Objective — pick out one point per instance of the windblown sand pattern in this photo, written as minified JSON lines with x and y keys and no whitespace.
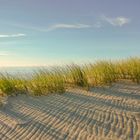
{"x":105,"y":113}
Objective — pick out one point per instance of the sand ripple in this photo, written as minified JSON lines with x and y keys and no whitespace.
{"x":106,"y":113}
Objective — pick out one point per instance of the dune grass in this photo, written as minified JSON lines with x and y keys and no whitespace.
{"x":12,"y":85}
{"x":129,"y":69}
{"x":76,"y":76}
{"x":44,"y":82}
{"x":101,"y":73}
{"x":57,"y":80}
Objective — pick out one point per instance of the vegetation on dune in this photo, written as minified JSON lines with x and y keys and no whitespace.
{"x":44,"y":82}
{"x":12,"y":85}
{"x":58,"y":80}
{"x":76,"y":76}
{"x":129,"y":69}
{"x":101,"y":73}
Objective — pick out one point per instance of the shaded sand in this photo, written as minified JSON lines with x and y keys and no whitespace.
{"x":105,"y":113}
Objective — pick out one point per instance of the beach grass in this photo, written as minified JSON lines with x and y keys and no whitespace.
{"x":129,"y":69}
{"x":44,"y":82}
{"x":12,"y":85}
{"x":101,"y":73}
{"x":76,"y":76}
{"x":57,"y":80}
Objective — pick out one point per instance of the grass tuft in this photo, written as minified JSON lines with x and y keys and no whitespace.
{"x":57,"y":80}
{"x":76,"y":76}
{"x":44,"y":82}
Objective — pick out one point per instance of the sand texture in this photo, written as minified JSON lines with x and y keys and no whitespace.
{"x":103,"y":113}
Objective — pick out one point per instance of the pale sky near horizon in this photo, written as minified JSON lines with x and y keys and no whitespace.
{"x":49,"y":32}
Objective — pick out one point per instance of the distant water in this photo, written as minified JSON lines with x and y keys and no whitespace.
{"x":20,"y":70}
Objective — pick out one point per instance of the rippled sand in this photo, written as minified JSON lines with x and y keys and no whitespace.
{"x":105,"y":113}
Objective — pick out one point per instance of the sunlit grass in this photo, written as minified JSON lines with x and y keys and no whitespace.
{"x":44,"y":82}
{"x":101,"y":73}
{"x":12,"y":85}
{"x":57,"y":80}
{"x":129,"y":69}
{"x":76,"y":76}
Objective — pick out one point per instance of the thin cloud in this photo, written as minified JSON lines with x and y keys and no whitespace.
{"x":11,"y":35}
{"x":59,"y":26}
{"x":68,"y":26}
{"x":118,"y":21}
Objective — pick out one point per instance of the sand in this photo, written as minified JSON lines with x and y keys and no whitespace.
{"x":103,"y":113}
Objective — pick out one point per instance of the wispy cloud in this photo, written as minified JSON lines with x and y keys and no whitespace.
{"x":67,"y":26}
{"x":12,"y":35}
{"x":117,"y":21}
{"x":52,"y":27}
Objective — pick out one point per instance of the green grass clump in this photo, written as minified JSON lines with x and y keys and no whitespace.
{"x":58,"y":80}
{"x":76,"y":76}
{"x":10,"y":85}
{"x":129,"y":69}
{"x":44,"y":82}
{"x":101,"y":73}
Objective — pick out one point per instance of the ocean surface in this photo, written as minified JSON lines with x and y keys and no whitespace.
{"x":20,"y":70}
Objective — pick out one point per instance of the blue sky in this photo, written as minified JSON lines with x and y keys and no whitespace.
{"x":50,"y":32}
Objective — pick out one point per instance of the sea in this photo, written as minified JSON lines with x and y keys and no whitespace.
{"x":20,"y":71}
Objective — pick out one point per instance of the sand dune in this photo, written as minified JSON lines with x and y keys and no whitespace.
{"x":103,"y":113}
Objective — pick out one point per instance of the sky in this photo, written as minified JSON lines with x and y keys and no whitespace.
{"x":55,"y":32}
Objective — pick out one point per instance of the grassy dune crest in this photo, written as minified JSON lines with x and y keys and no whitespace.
{"x":58,"y":80}
{"x":44,"y":82}
{"x":101,"y":73}
{"x":129,"y":69}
